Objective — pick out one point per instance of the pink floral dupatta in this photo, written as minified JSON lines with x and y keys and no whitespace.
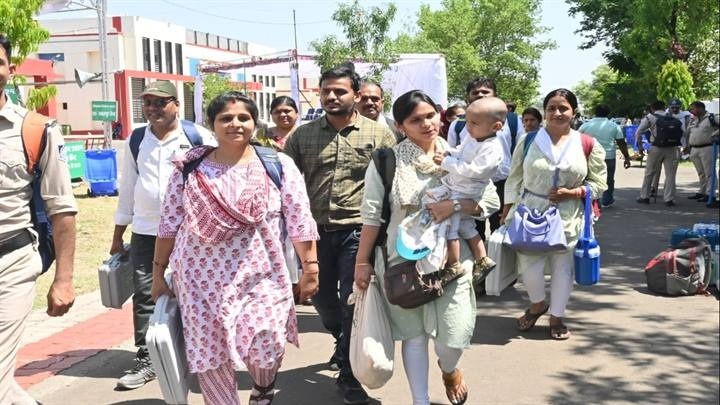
{"x":210,"y":211}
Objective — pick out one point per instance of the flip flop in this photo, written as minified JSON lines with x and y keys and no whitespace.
{"x":559,"y":331}
{"x":531,"y":319}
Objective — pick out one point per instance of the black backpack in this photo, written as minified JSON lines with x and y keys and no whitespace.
{"x":668,"y":131}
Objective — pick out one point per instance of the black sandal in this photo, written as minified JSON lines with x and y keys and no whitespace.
{"x":262,"y":395}
{"x":531,"y":319}
{"x":559,"y":331}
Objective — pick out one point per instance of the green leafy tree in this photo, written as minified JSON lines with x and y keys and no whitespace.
{"x":591,"y":94}
{"x":17,"y":22}
{"x":366,"y":33}
{"x":214,"y":84}
{"x":642,"y":35}
{"x":491,"y":38}
{"x":675,"y":81}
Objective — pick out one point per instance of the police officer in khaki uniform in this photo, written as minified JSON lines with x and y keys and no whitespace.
{"x":20,"y":263}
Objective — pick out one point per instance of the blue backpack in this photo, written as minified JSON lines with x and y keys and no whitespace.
{"x":34,"y":140}
{"x":268,"y":157}
{"x":138,"y":134}
{"x":512,"y":124}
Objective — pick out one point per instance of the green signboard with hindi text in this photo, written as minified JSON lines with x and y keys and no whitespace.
{"x":75,"y":152}
{"x":104,"y":110}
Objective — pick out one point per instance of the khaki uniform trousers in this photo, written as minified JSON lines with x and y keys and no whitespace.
{"x":667,"y":158}
{"x":702,"y":159}
{"x":18,"y":271}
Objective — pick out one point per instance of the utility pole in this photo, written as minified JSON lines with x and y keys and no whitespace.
{"x":101,"y":7}
{"x":295,"y":72}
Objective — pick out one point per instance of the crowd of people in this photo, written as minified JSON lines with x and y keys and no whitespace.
{"x":252,"y":220}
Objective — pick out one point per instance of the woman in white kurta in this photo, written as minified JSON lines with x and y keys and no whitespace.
{"x":450,"y":319}
{"x":557,"y":146}
{"x":220,"y":231}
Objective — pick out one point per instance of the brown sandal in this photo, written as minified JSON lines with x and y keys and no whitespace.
{"x":530,"y":319}
{"x":454,"y":384}
{"x":559,"y":331}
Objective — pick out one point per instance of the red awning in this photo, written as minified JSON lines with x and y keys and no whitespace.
{"x":37,"y":67}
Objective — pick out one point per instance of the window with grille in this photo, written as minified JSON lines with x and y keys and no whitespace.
{"x":189,"y":97}
{"x":169,"y":57}
{"x":158,"y":55}
{"x":146,"y":54}
{"x":179,"y":59}
{"x":136,"y":88}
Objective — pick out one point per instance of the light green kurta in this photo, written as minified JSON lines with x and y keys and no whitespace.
{"x":535,"y":173}
{"x":449,"y":319}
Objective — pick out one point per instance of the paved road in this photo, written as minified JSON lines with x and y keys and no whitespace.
{"x":628,"y":346}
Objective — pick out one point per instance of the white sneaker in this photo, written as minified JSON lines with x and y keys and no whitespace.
{"x":141,"y":374}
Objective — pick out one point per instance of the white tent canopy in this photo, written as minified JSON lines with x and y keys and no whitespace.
{"x":412,"y":71}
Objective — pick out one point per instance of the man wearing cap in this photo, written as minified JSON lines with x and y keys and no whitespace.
{"x":146,"y":169}
{"x":20,"y":262}
{"x":674,"y":109}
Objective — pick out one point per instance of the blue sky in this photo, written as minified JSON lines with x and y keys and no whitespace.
{"x":269,"y":22}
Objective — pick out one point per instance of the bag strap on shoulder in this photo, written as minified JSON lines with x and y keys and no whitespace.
{"x":271,"y":163}
{"x":384,"y":161}
{"x":34,"y":138}
{"x":459,"y":126}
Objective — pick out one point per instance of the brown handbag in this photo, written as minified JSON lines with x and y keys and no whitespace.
{"x":407,"y":288}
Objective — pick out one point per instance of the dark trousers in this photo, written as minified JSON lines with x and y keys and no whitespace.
{"x":142,"y":250}
{"x":494,"y":218}
{"x":608,"y":197}
{"x":336,"y":254}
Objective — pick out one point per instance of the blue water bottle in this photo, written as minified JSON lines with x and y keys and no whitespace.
{"x":587,"y":250}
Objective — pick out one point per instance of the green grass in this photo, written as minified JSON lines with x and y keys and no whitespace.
{"x":95,"y":227}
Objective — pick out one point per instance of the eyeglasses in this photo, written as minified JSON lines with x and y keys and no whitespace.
{"x":158,"y":102}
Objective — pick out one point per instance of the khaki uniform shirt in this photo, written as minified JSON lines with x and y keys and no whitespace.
{"x":15,"y":188}
{"x":700,"y":131}
{"x":334,"y":164}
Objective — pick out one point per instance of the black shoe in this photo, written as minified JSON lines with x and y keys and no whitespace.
{"x":696,"y":196}
{"x":653,"y":192}
{"x":670,"y":203}
{"x":702,"y":200}
{"x":353,"y":392}
{"x":640,"y":200}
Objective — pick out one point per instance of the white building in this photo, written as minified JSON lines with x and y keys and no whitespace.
{"x":141,"y":50}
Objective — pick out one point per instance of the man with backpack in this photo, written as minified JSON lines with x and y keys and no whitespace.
{"x":146,"y":169}
{"x":666,"y":134}
{"x":701,"y":132}
{"x":508,"y":137}
{"x":32,"y":157}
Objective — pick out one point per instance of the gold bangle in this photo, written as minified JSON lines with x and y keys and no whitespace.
{"x":311,"y":262}
{"x":362,"y":264}
{"x":310,"y":272}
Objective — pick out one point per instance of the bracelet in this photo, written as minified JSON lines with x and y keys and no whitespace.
{"x":362,"y":264}
{"x":162,"y":266}
{"x":311,"y":262}
{"x":310,"y":273}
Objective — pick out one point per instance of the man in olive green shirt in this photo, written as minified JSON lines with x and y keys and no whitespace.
{"x":333,"y":153}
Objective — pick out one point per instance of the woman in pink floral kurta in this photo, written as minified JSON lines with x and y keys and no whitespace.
{"x":225,"y":222}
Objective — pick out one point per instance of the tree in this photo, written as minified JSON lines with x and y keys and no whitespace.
{"x":490,"y":38}
{"x":591,"y":94}
{"x":642,"y":35}
{"x":17,"y":22}
{"x":367,"y":40}
{"x":675,"y":81}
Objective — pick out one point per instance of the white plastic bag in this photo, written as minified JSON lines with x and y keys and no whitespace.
{"x":372,"y":349}
{"x":506,"y":270}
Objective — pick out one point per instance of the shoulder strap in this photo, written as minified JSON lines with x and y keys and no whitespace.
{"x":135,"y":140}
{"x":529,"y":139}
{"x":191,"y":133}
{"x":191,"y":165}
{"x":588,"y":142}
{"x":34,"y":138}
{"x":512,"y":121}
{"x":711,"y":118}
{"x":459,"y":125}
{"x":384,"y":161}
{"x":271,"y":163}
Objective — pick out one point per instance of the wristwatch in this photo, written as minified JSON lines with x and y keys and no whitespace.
{"x":456,"y":206}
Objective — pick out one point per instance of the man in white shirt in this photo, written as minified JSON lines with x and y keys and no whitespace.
{"x":145,"y":173}
{"x":508,"y":137}
{"x":372,"y":105}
